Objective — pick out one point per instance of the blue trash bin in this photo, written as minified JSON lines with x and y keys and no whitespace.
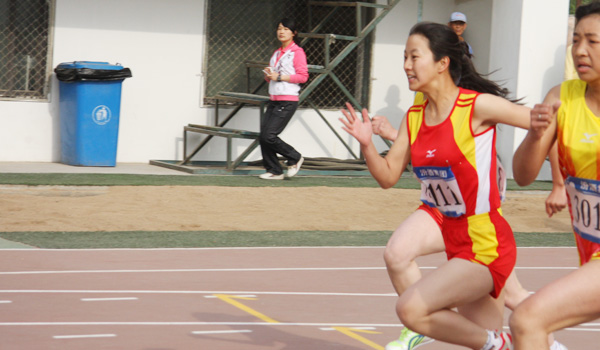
{"x":89,"y":108}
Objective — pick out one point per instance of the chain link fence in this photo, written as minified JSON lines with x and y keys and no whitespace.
{"x":240,"y":31}
{"x":24,"y":48}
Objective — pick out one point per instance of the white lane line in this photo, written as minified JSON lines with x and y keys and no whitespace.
{"x":582,"y":329}
{"x":265,"y":269}
{"x":223,"y":332}
{"x":84,"y":336}
{"x":108,"y":299}
{"x":319,"y":325}
{"x":353,"y":325}
{"x":261,"y":269}
{"x":211,"y":248}
{"x":233,"y":295}
{"x":358,"y":328}
{"x":228,"y":292}
{"x":5,"y":301}
{"x":546,"y":267}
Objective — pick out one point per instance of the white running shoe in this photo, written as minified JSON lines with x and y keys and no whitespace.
{"x":408,"y":340}
{"x":505,"y":341}
{"x":294,"y":169}
{"x":269,"y":176}
{"x":558,"y":346}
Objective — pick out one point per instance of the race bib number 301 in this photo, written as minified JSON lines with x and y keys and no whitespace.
{"x":440,"y":190}
{"x":584,"y":195}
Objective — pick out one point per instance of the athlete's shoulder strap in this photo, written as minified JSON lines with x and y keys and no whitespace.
{"x":466,"y":98}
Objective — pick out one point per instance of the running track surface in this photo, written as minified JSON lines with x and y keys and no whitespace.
{"x":229,"y":298}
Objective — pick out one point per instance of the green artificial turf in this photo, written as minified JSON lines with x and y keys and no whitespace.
{"x":198,"y":239}
{"x":46,"y":179}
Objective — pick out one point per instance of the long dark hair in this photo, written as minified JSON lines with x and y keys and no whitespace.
{"x":290,"y":24}
{"x":444,"y":42}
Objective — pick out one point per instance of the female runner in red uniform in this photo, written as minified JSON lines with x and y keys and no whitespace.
{"x":420,"y":234}
{"x":450,"y":140}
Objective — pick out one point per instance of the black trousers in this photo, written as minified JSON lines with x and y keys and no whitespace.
{"x":276,"y":118}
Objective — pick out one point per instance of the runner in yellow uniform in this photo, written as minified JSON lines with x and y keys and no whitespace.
{"x":568,"y":115}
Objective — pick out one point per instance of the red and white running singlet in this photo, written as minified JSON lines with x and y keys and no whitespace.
{"x":457,"y":170}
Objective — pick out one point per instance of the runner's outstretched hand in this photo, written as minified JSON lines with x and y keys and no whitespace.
{"x":361,"y":129}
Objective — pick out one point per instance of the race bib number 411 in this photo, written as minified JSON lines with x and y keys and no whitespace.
{"x":440,"y":190}
{"x":584,"y":195}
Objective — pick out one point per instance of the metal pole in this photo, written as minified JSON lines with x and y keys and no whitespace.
{"x":27,"y":71}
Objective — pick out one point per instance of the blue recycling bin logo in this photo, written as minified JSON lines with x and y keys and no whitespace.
{"x":101,"y":115}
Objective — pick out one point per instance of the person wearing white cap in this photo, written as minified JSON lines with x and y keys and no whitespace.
{"x":458,"y":23}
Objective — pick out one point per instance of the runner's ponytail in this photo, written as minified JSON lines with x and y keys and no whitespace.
{"x":443,"y":42}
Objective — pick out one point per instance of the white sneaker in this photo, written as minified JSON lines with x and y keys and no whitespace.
{"x":269,"y":176}
{"x":558,"y":346}
{"x":504,"y":341}
{"x":294,"y":169}
{"x":408,"y":340}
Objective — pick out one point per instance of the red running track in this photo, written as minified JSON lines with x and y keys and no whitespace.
{"x":223,"y":298}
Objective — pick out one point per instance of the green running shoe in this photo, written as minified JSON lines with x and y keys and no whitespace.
{"x":408,"y":340}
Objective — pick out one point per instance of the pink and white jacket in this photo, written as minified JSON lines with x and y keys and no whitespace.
{"x":289,"y":61}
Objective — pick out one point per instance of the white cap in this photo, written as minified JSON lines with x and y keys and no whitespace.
{"x":458,"y":16}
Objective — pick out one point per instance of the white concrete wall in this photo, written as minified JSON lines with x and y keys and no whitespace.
{"x":504,"y":63}
{"x":27,"y":132}
{"x":163,"y":43}
{"x":477,"y":34}
{"x":528,"y":54}
{"x":390,"y":95}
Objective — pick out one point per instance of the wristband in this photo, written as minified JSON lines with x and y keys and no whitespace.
{"x":278,"y":77}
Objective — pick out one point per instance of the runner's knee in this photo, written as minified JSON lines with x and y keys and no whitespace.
{"x":410,"y":310}
{"x":396,"y":258}
{"x":524,"y":318}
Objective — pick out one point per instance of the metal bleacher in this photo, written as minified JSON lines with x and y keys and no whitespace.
{"x":320,"y":73}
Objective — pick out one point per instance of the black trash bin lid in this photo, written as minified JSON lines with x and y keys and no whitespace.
{"x":89,"y":70}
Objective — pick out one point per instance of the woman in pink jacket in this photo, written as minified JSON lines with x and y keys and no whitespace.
{"x":287,"y":70}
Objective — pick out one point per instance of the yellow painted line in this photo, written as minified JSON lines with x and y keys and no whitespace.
{"x":351,"y":332}
{"x":230,"y":300}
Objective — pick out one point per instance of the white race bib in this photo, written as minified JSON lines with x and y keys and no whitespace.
{"x":440,"y":190}
{"x":584,"y":195}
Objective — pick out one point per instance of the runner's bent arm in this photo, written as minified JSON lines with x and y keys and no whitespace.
{"x":530,"y":155}
{"x":491,"y":110}
{"x":557,"y":199}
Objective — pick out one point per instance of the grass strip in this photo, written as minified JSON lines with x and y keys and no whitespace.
{"x":201,"y":239}
{"x":32,"y":179}
{"x":51,"y":179}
